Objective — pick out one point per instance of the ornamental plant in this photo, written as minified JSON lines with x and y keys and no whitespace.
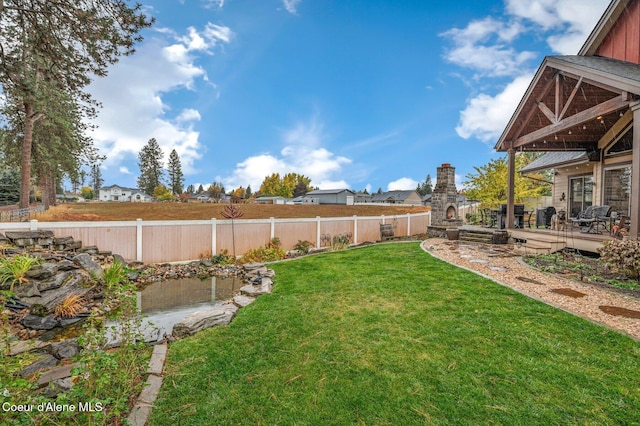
{"x":622,"y":256}
{"x":14,"y":269}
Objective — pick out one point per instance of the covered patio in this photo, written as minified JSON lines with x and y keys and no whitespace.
{"x":586,"y":105}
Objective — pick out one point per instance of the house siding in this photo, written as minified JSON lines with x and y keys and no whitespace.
{"x":623,"y":41}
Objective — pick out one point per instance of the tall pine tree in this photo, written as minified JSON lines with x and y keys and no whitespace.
{"x":174,"y":169}
{"x":151,"y":166}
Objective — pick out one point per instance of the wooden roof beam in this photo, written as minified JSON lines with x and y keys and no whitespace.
{"x":582,"y":117}
{"x":570,"y":99}
{"x":532,"y":110}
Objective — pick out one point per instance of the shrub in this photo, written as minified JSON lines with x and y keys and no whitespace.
{"x":269,"y":253}
{"x":114,"y":274}
{"x":303,"y":246}
{"x":341,"y":242}
{"x":14,"y":269}
{"x":224,"y":258}
{"x":622,"y":256}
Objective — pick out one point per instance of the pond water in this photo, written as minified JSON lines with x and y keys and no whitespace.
{"x":164,"y":303}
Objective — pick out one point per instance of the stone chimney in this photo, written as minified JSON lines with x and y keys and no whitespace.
{"x":444,"y":199}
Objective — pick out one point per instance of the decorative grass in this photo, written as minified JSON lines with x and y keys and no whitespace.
{"x":388,"y":335}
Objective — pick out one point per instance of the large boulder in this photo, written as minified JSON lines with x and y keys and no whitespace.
{"x":36,"y":322}
{"x":85,"y":261}
{"x":75,"y":283}
{"x":44,"y":271}
{"x":219,"y":315}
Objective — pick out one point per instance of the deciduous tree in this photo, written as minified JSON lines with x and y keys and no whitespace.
{"x":489,"y":184}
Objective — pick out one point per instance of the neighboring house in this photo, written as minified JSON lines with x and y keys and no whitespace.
{"x":69,"y":198}
{"x":200,"y":198}
{"x":123,"y":194}
{"x":363,"y":197}
{"x":330,"y":196}
{"x":409,"y":197}
{"x":582,"y":111}
{"x":426,"y":200}
{"x":270,"y":200}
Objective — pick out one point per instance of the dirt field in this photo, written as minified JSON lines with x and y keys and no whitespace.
{"x":98,"y":211}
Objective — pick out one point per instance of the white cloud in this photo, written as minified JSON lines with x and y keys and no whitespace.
{"x":402,"y":184}
{"x":302,"y":154}
{"x":574,"y":20}
{"x":486,"y":116}
{"x":291,"y":5}
{"x":486,"y":47}
{"x":125,"y":171}
{"x":188,"y":114}
{"x":132,"y":96}
{"x":483,"y":47}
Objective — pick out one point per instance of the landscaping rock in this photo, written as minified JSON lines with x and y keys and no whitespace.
{"x":54,"y":282}
{"x":35,"y":322}
{"x":65,"y":349}
{"x":28,"y":289}
{"x":74,"y":284}
{"x":119,"y":259}
{"x":47,"y":361}
{"x":85,"y":261}
{"x":241,"y":301}
{"x":67,"y":265}
{"x":256,"y":290}
{"x":200,"y":320}
{"x":57,"y":387}
{"x":44,"y":271}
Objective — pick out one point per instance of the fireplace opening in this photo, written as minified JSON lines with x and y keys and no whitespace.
{"x":451,"y":213}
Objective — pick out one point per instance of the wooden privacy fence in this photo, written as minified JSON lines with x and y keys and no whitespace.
{"x":173,"y":241}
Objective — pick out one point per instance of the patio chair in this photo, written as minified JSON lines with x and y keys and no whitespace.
{"x":582,"y":216}
{"x":599,"y":216}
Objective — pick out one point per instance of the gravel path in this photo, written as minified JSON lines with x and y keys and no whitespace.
{"x":500,"y":264}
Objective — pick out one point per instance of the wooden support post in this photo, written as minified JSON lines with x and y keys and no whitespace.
{"x":635,"y":173}
{"x":511,"y":184}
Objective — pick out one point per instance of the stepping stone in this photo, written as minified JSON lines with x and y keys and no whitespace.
{"x":498,"y":268}
{"x":568,"y":292}
{"x":530,"y":280}
{"x":621,"y":312}
{"x":479,"y":261}
{"x":466,"y":256}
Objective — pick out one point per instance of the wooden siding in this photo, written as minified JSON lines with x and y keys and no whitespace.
{"x":623,"y":41}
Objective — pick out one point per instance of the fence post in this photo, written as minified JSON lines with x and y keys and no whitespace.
{"x":214,"y":236}
{"x":33,"y":224}
{"x":139,"y":240}
{"x":272,"y":220}
{"x":383,"y":219}
{"x":318,"y":232}
{"x":355,"y":229}
{"x":408,"y":224}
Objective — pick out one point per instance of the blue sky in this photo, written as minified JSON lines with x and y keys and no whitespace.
{"x":351,"y":93}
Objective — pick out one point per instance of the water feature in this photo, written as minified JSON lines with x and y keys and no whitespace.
{"x":164,"y":303}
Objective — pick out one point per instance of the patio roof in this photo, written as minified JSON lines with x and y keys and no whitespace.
{"x":571,"y":103}
{"x":552,"y":160}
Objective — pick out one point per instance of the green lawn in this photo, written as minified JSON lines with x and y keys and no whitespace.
{"x":388,"y":335}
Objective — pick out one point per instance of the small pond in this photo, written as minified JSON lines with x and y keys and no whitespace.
{"x":164,"y":303}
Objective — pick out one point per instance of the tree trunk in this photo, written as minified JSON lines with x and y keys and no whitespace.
{"x":44,"y":188}
{"x":25,"y":164}
{"x":52,"y":198}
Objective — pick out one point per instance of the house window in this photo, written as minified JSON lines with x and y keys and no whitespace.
{"x":580,"y":193}
{"x":617,"y":189}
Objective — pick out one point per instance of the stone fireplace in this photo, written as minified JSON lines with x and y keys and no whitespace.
{"x":444,"y":202}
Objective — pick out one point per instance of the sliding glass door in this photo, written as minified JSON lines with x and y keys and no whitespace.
{"x":580,"y":193}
